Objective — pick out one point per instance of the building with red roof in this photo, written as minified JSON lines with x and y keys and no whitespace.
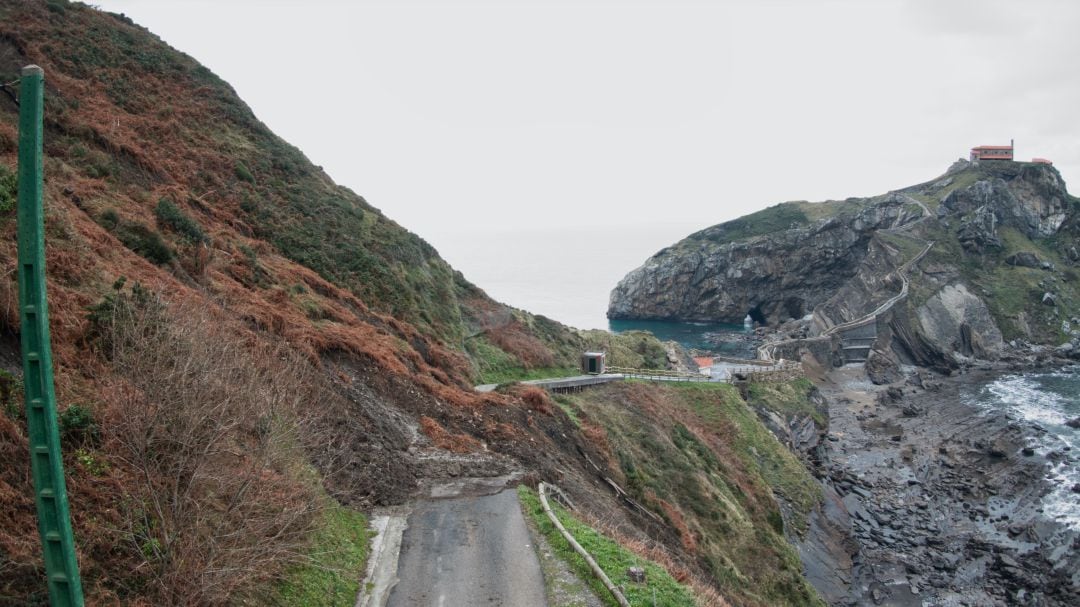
{"x":992,"y":152}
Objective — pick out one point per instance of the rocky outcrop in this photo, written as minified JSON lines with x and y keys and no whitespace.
{"x":1024,"y":259}
{"x":955,"y":321}
{"x":874,"y":282}
{"x":853,"y":260}
{"x":882,"y":364}
{"x":772,"y":277}
{"x":978,"y":230}
{"x":1027,"y":197}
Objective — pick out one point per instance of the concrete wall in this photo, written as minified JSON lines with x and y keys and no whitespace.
{"x":825,"y":350}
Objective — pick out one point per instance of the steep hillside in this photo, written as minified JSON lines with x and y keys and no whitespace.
{"x":167,"y":160}
{"x":698,"y":455}
{"x":133,"y":122}
{"x":246,"y":353}
{"x":1002,"y":264}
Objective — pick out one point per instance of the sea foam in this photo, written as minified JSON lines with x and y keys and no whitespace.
{"x":1048,"y":399}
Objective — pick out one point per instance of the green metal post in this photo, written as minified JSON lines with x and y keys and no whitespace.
{"x":46,"y":464}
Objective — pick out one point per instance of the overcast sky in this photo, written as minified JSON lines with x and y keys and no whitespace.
{"x":486,"y":114}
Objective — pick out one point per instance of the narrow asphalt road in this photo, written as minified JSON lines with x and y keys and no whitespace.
{"x":468,"y":551}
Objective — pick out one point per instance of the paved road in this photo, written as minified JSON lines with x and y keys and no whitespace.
{"x":468,"y":551}
{"x":575,"y":381}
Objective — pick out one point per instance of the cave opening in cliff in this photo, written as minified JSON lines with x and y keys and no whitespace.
{"x":794,"y":307}
{"x":757,"y":316}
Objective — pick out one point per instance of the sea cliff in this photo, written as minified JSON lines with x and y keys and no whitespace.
{"x":1000,"y":268}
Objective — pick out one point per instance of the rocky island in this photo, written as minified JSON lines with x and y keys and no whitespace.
{"x":901,"y":306}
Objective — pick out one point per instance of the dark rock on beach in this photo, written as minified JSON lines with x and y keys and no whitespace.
{"x":939,"y":509}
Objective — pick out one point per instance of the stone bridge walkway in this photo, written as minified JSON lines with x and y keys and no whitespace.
{"x":857,"y":336}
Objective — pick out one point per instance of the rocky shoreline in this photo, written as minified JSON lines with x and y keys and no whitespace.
{"x":739,"y":345}
{"x":929,"y":501}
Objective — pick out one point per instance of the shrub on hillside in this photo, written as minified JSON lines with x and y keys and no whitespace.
{"x":119,"y":306}
{"x":109,"y":219}
{"x":78,"y":426}
{"x":137,"y":237}
{"x":170,"y":216}
{"x":11,"y":394}
{"x":8,"y":192}
{"x":243,"y":173}
{"x":209,"y":428}
{"x":98,"y":164}
{"x":144,"y":241}
{"x":57,"y":6}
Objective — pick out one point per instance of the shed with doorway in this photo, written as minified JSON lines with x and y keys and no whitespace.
{"x":593,"y":362}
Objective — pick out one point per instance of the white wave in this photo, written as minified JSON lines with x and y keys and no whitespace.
{"x":1050,"y":406}
{"x":1061,"y":503}
{"x":1066,"y":371}
{"x":1028,"y":400}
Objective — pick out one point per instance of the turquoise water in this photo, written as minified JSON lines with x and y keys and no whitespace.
{"x":1048,"y":399}
{"x":568,"y":274}
{"x":689,"y":334}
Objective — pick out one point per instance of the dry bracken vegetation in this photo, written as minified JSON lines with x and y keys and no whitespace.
{"x":283,"y":334}
{"x":210,"y":428}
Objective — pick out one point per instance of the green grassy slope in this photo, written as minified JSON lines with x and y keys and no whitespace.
{"x":661,"y":589}
{"x":699,"y":455}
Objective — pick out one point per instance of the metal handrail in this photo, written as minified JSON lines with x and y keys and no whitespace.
{"x":765,"y":350}
{"x":866,"y":319}
{"x":656,"y":373}
{"x":612,"y":588}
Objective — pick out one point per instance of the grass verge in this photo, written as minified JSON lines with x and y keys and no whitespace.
{"x":515,"y":374}
{"x":660,"y":589}
{"x":334,"y":565}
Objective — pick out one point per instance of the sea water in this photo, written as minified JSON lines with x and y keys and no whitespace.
{"x":1049,"y":399}
{"x":567,"y":274}
{"x":692,"y":335}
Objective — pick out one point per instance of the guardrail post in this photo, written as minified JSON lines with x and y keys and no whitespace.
{"x":604,"y":579}
{"x":46,"y":464}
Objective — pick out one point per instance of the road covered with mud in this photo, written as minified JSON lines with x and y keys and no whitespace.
{"x":471,"y":550}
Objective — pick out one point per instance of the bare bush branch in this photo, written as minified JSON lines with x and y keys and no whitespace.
{"x":214,"y":423}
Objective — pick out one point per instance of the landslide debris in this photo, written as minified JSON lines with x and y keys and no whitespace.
{"x":318,"y":350}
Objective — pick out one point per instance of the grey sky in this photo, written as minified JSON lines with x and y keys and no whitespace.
{"x":490,"y":114}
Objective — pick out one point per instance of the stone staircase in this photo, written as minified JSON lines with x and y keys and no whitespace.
{"x":856,"y":342}
{"x":858,"y":336}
